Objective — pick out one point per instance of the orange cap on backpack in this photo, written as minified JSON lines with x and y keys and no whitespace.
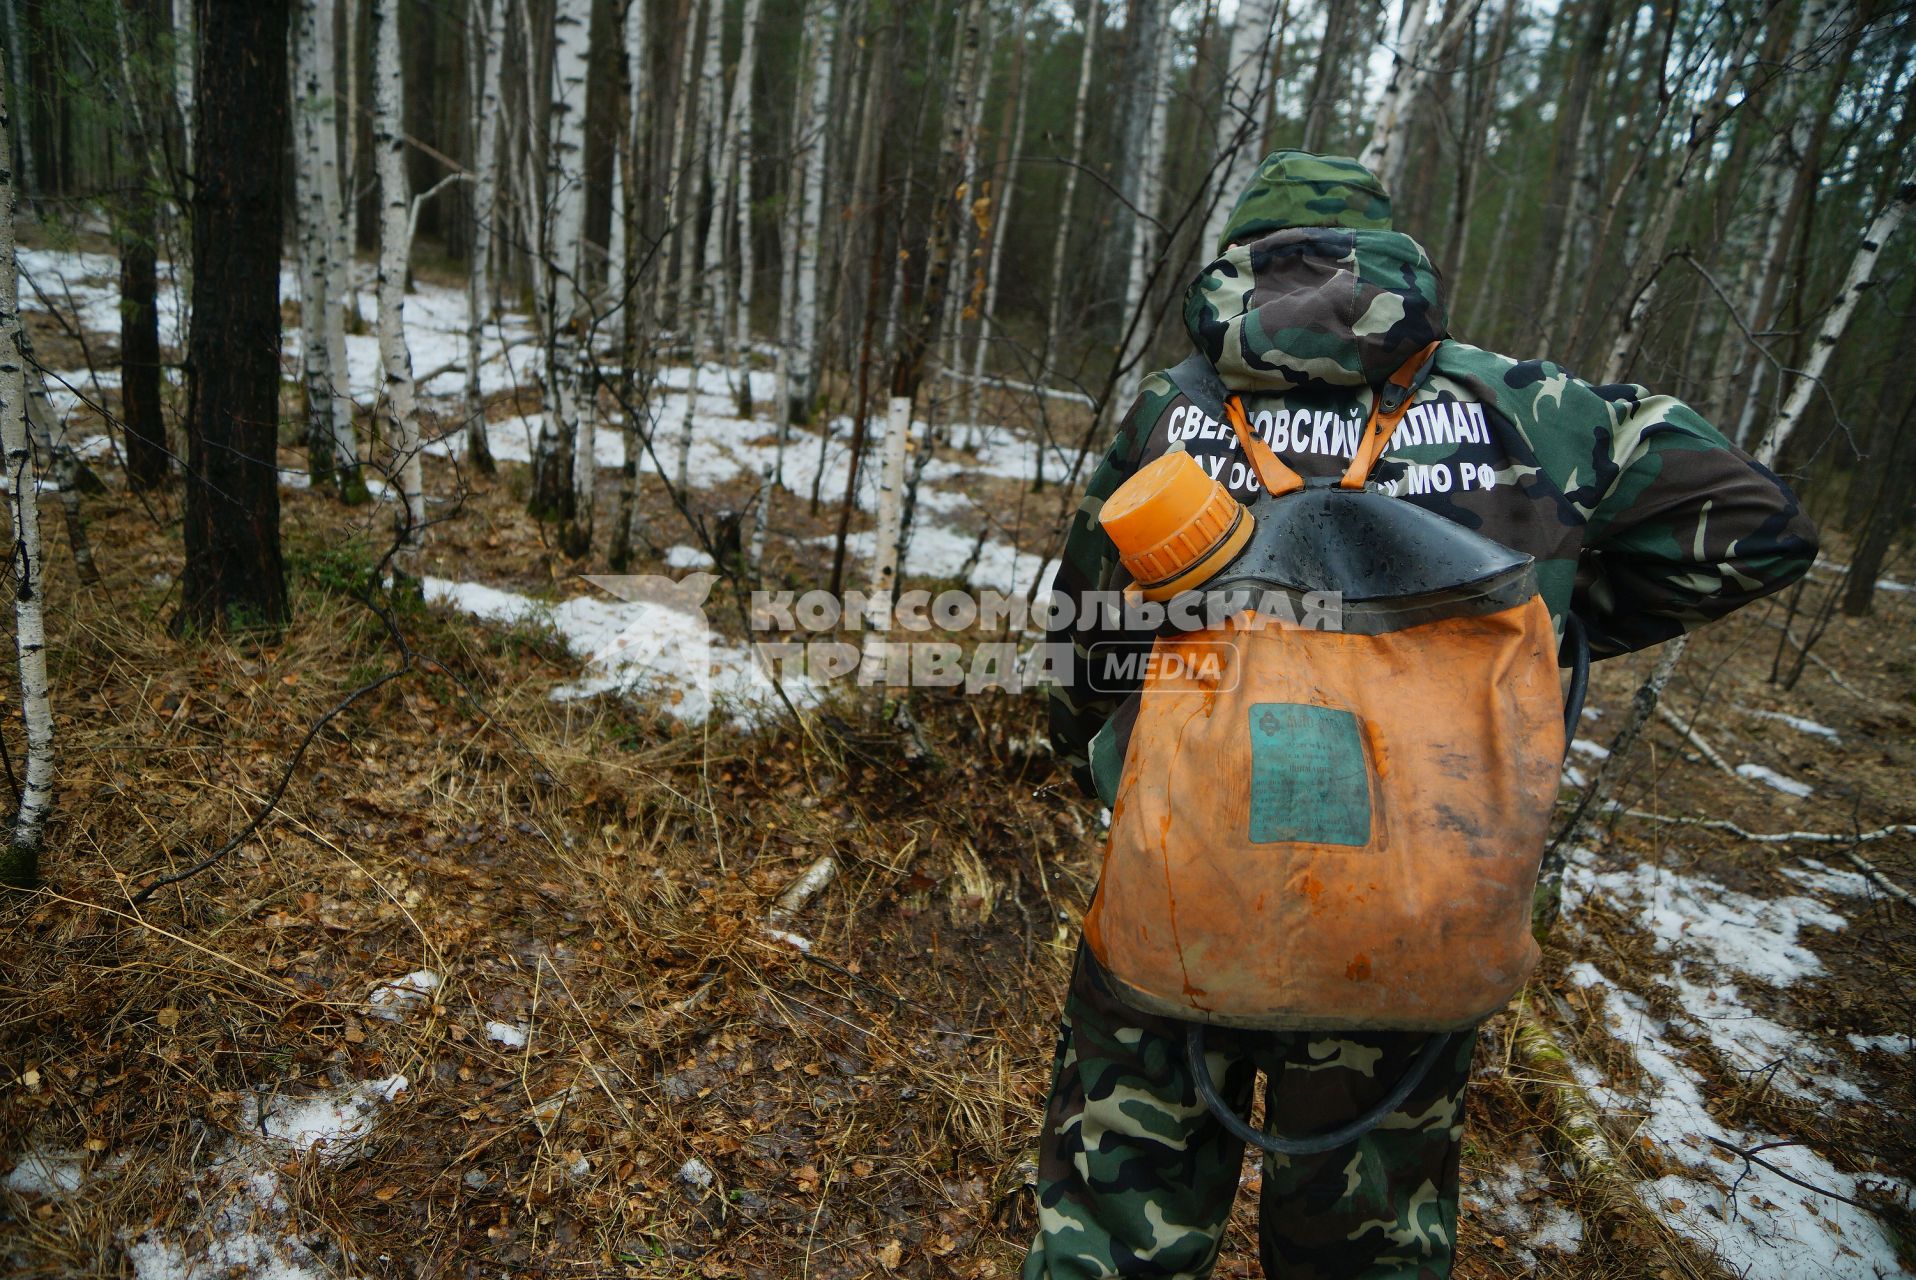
{"x":1174,"y":526}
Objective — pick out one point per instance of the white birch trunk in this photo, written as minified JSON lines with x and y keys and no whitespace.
{"x":1246,"y":95}
{"x":635,"y":294}
{"x":703,"y":105}
{"x":820,"y":40}
{"x":20,"y":864}
{"x":1060,"y":240}
{"x":1411,"y":61}
{"x":183,"y":63}
{"x":740,"y":126}
{"x":679,"y":164}
{"x":696,"y":267}
{"x":569,"y":416}
{"x":1862,"y":268}
{"x":1144,"y":228}
{"x":736,"y":128}
{"x":334,"y":196}
{"x":963,"y":280}
{"x":884,"y":579}
{"x":488,"y":24}
{"x":395,"y":250}
{"x":1704,"y":122}
{"x":329,"y":405}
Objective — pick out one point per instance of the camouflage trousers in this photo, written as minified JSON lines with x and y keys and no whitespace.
{"x":1136,"y":1177}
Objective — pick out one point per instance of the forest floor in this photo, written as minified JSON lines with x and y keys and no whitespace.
{"x":499,"y":988}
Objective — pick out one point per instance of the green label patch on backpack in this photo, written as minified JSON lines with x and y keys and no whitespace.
{"x":1308,"y":780}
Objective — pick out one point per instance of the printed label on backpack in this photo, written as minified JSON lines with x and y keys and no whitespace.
{"x":1309,"y":783}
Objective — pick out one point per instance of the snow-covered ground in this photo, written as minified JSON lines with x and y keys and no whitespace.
{"x":1719,"y":946}
{"x":639,"y":646}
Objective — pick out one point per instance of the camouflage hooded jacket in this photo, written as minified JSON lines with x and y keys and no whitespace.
{"x":1640,"y":516}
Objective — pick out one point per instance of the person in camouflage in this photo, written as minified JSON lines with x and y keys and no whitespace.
{"x":1641,"y":518}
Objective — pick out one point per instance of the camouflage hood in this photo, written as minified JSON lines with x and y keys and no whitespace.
{"x":1314,"y":307}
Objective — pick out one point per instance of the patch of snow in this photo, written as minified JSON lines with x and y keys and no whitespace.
{"x":1770,"y":777}
{"x":696,"y":1173}
{"x":1504,"y":1202}
{"x":1573,"y":777}
{"x":642,"y":646}
{"x":1731,"y":930}
{"x":245,"y":1228}
{"x":328,"y":1122}
{"x":684,"y":557}
{"x":1827,"y":879}
{"x":1593,"y":713}
{"x":1758,"y":1225}
{"x":1797,"y":723}
{"x":1895,"y":1042}
{"x":394,"y":1000}
{"x":47,"y":1173}
{"x":1594,"y":750}
{"x":506,"y":1034}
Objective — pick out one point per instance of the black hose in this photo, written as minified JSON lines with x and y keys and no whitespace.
{"x":1575,"y":647}
{"x":1316,"y":1144}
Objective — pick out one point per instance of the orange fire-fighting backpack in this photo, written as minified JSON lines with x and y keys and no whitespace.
{"x":1322,"y":828}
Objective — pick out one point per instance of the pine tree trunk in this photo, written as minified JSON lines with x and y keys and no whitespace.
{"x":395,"y":253}
{"x":23,"y":134}
{"x":488,"y":27}
{"x":1576,"y":147}
{"x":233,"y":572}
{"x":148,"y":460}
{"x":998,"y":223}
{"x":1326,"y":79}
{"x":20,"y":863}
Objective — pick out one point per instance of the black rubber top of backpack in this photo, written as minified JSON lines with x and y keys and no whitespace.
{"x":1361,"y":542}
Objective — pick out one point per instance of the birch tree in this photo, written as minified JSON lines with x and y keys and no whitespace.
{"x":741,"y":133}
{"x":1244,"y":99}
{"x":330,"y":447}
{"x":184,"y":75}
{"x":488,"y":24}
{"x":1155,"y":42}
{"x":395,"y":250}
{"x":636,"y":295}
{"x":820,"y":39}
{"x":1411,"y":62}
{"x":1644,"y":704}
{"x":20,"y":864}
{"x":565,"y":466}
{"x":884,"y":578}
{"x":1862,"y":271}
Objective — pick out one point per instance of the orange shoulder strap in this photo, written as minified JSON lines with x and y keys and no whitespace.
{"x":1388,"y":407}
{"x":1270,"y":470}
